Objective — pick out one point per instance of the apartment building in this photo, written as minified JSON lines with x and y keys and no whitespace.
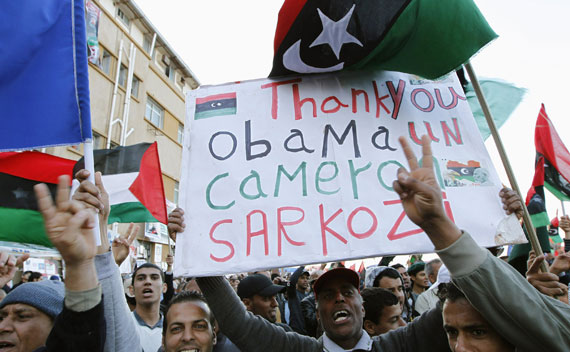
{"x":137,"y":88}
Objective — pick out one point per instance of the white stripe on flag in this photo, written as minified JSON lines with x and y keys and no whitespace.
{"x":118,"y":187}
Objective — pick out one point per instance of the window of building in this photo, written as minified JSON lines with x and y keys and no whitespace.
{"x":123,"y":17}
{"x":176,"y":191}
{"x":147,"y":42}
{"x":98,"y":141}
{"x":105,"y":63}
{"x":135,"y":87}
{"x":154,"y":113}
{"x":180,"y":133}
{"x":123,"y":76}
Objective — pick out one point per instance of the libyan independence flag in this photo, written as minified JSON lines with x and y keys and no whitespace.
{"x":133,"y":180}
{"x":429,"y":38}
{"x":20,"y":220}
{"x":552,"y":157}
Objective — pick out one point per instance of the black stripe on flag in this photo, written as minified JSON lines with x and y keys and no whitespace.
{"x":119,"y":160}
{"x":18,"y":193}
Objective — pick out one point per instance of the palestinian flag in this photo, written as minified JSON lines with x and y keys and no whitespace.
{"x":552,"y":156}
{"x":20,"y":220}
{"x":133,"y":179}
{"x":215,"y":105}
{"x":429,"y":38}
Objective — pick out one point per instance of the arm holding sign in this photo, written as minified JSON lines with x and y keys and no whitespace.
{"x":493,"y":287}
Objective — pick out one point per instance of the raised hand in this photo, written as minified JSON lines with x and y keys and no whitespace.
{"x":121,"y":244}
{"x":69,"y":226}
{"x":175,"y":222}
{"x":565,"y":225}
{"x":421,"y":196}
{"x":561,"y":264}
{"x":546,"y":283}
{"x":8,"y":266}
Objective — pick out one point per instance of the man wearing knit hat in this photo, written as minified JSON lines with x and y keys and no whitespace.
{"x":48,"y":315}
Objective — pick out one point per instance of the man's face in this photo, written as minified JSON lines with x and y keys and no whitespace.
{"x":234,"y":282}
{"x":303,"y":282}
{"x":189,"y":328}
{"x":390,"y":319}
{"x":467,"y":330}
{"x":148,"y":286}
{"x":405,"y":277}
{"x":264,"y":306}
{"x":395,"y":286}
{"x":420,"y":279}
{"x":25,"y":277}
{"x":433,"y":276}
{"x":340,"y":310}
{"x":23,"y":328}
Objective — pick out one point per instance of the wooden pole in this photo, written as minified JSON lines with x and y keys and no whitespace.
{"x":499,"y":144}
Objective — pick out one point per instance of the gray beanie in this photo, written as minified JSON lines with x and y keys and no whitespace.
{"x":46,"y":296}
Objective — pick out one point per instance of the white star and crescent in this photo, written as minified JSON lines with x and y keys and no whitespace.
{"x":334,"y":34}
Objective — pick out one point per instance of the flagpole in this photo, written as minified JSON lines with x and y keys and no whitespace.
{"x":90,"y":166}
{"x":510,"y":174}
{"x":563,"y":210}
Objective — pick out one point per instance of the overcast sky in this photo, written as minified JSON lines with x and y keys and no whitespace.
{"x":228,"y":40}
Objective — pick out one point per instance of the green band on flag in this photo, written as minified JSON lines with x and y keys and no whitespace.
{"x":540,"y":219}
{"x":130,"y":212}
{"x":218,"y":112}
{"x":23,"y":226}
{"x":556,"y":192}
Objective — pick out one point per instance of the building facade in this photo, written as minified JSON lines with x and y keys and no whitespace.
{"x":137,"y":88}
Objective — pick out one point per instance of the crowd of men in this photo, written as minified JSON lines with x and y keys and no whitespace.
{"x":468,"y":300}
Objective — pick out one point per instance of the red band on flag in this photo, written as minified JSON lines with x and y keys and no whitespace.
{"x":215,"y":97}
{"x":36,"y":166}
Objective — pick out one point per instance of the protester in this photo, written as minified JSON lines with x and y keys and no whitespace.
{"x":466,"y":329}
{"x":50,"y":315}
{"x":383,"y":311}
{"x":405,"y":276}
{"x":420,"y":283}
{"x":388,"y":278}
{"x":493,"y":288}
{"x":147,"y":286}
{"x":432,"y":269}
{"x":188,"y":324}
{"x":257,"y":293}
{"x":122,"y":334}
{"x":429,"y":299}
{"x":297,"y":291}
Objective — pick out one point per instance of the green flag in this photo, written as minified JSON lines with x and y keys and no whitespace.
{"x":502,"y":99}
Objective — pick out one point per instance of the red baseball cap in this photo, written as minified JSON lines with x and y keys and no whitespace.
{"x":343,"y":274}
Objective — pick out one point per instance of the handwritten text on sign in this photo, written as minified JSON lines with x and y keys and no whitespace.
{"x":300,"y":170}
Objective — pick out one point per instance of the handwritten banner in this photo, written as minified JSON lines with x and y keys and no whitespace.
{"x":285,"y":172}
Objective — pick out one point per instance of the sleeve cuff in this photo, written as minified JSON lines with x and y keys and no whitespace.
{"x":463,"y":256}
{"x":81,"y":301}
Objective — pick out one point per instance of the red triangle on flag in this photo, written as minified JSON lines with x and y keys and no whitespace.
{"x":361,"y":269}
{"x":148,"y":187}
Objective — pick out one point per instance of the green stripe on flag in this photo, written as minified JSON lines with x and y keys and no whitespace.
{"x":217,"y":112}
{"x":540,"y":219}
{"x":556,"y":192}
{"x":431,"y":38}
{"x":130,"y":212}
{"x":23,"y":226}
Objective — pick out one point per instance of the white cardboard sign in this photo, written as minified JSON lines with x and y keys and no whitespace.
{"x":299,"y":170}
